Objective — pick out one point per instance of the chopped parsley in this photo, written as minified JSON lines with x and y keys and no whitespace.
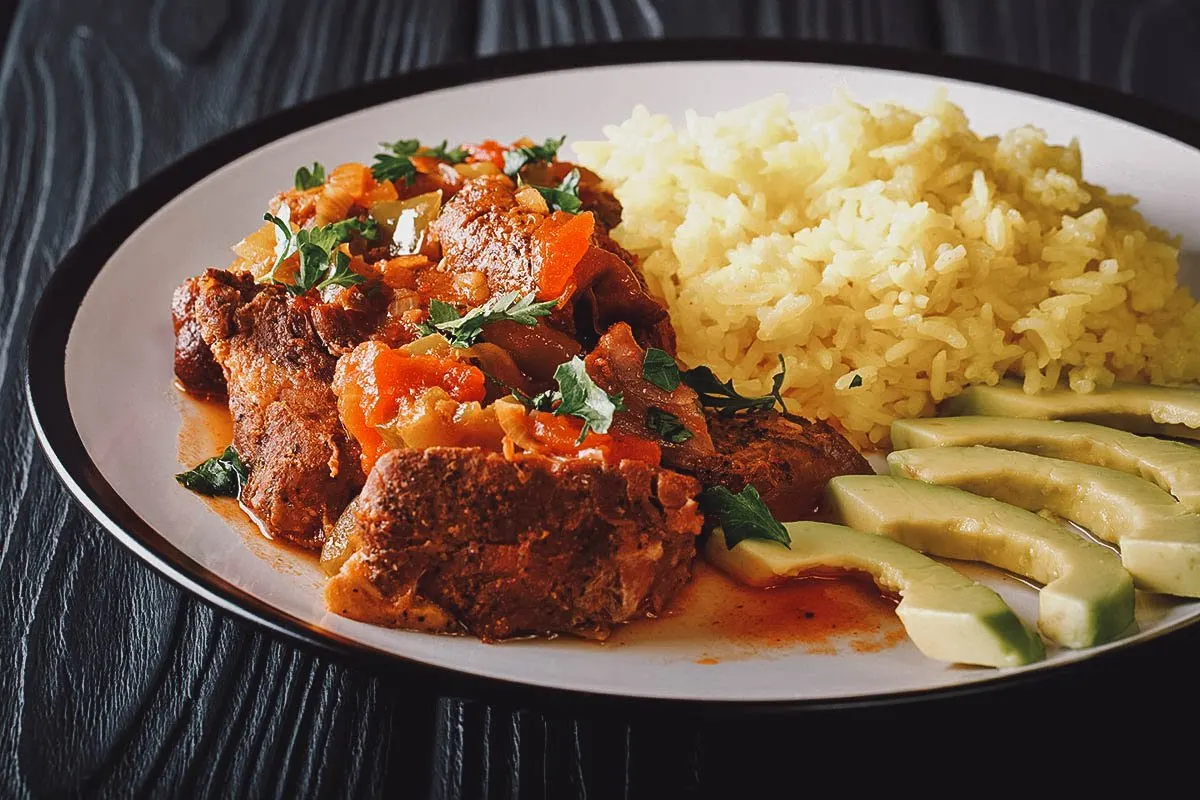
{"x":743,"y":516}
{"x":577,"y":396}
{"x":660,"y":369}
{"x":310,"y":178}
{"x":726,"y":399}
{"x":321,"y":263}
{"x":856,"y":381}
{"x":463,"y":331}
{"x":565,"y":196}
{"x":455,"y":156}
{"x":222,"y":476}
{"x":518,"y":157}
{"x":395,"y":163}
{"x":581,"y":397}
{"x":667,"y":426}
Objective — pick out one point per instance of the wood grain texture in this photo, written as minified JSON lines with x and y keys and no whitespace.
{"x":116,"y":683}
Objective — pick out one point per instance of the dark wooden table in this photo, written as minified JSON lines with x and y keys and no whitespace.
{"x":114,"y":682}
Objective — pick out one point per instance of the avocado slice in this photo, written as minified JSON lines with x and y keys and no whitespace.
{"x":1161,"y":538}
{"x":1156,"y":410}
{"x":948,"y":616}
{"x":1086,"y":597}
{"x":1173,"y":466}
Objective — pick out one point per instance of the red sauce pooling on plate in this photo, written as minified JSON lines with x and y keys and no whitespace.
{"x":205,"y":429}
{"x":821,"y":614}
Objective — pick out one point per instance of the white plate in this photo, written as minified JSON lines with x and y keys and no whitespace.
{"x":110,"y":419}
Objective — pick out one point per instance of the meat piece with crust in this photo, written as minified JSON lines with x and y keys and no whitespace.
{"x":484,"y":229}
{"x":788,"y":459}
{"x":509,"y":548}
{"x":304,"y":468}
{"x":195,"y":369}
{"x":616,"y":366}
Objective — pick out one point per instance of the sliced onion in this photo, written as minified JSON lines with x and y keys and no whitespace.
{"x":476,"y":169}
{"x":531,"y":199}
{"x":342,"y":542}
{"x":404,"y":221}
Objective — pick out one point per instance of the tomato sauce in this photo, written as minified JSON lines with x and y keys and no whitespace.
{"x":817,"y":614}
{"x":205,"y":429}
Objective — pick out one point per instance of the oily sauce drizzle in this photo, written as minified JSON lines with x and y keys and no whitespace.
{"x":821,"y":614}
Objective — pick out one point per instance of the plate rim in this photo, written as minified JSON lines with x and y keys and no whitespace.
{"x":61,"y":298}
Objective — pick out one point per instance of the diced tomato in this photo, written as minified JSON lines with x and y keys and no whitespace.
{"x":381,"y":192}
{"x":490,"y":150}
{"x":352,"y":178}
{"x":426,"y":165}
{"x":559,"y":436}
{"x":559,"y":244}
{"x":373,"y":381}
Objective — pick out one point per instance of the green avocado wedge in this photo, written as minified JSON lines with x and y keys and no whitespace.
{"x":1173,"y":466}
{"x":1156,"y":410}
{"x":948,"y":616}
{"x":1158,"y":538}
{"x":1087,"y":596}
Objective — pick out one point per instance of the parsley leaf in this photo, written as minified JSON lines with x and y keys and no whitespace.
{"x":285,"y":241}
{"x":455,"y":156}
{"x":726,"y":399}
{"x":341,"y":275}
{"x":520,"y":156}
{"x":565,"y":196}
{"x":577,"y":396}
{"x":463,"y":331}
{"x":743,"y":516}
{"x":667,"y":426}
{"x":660,"y":369}
{"x":582,"y":398}
{"x":310,"y":178}
{"x":395,"y":164}
{"x":542,"y":401}
{"x":317,"y":248}
{"x":856,"y":381}
{"x":222,"y":476}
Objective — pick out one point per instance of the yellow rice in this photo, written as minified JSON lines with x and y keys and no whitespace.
{"x":893,"y":257}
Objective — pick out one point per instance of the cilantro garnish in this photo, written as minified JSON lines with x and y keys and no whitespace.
{"x":520,"y":156}
{"x":463,"y":331}
{"x":667,"y":426}
{"x":222,"y":476}
{"x":310,"y":178}
{"x":318,"y":251}
{"x":726,"y":399}
{"x":565,"y":196}
{"x":743,"y":516}
{"x":455,"y":156}
{"x":395,"y":164}
{"x":581,"y":397}
{"x":660,"y":369}
{"x":577,"y":396}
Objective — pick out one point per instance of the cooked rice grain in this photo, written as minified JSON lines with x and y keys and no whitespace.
{"x":896,"y":246}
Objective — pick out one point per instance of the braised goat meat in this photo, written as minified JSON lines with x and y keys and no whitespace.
{"x":788,"y":459}
{"x":528,"y":546}
{"x":195,"y":368}
{"x":616,"y":366}
{"x":304,"y":469}
{"x":484,"y":228}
